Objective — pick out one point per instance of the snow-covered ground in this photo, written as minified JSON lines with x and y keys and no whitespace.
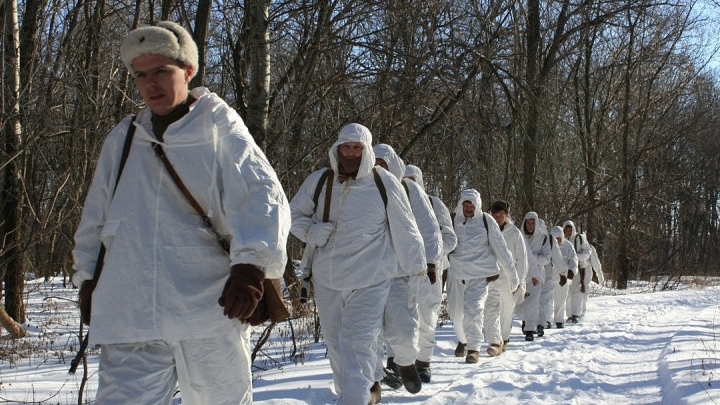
{"x":632,"y":347}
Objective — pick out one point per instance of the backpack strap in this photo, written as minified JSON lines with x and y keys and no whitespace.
{"x":380,"y":186}
{"x":318,"y":188}
{"x":486,"y":226}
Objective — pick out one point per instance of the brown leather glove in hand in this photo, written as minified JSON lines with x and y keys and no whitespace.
{"x":582,"y":287}
{"x":243,"y":290}
{"x":570,"y":275}
{"x":563,"y":280}
{"x":431,"y":274}
{"x":85,"y":300}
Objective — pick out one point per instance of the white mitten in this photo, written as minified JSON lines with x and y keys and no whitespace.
{"x":319,"y":233}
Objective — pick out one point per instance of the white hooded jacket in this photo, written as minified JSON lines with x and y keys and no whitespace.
{"x":570,"y":261}
{"x":164,"y":269}
{"x":422,"y":210}
{"x":369,"y":239}
{"x":581,"y":245}
{"x":538,"y":241}
{"x":449,"y":239}
{"x":480,"y":252}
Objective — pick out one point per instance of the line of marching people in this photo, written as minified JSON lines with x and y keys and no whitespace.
{"x":540,"y":276}
{"x":378,"y":247}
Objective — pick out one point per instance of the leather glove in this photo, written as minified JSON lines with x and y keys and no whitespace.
{"x":563,"y":280}
{"x":85,"y":300}
{"x":534,"y":282}
{"x":319,"y":233}
{"x":305,"y":289}
{"x":582,"y":287}
{"x":570,"y":275}
{"x":242,"y":292}
{"x":431,"y":274}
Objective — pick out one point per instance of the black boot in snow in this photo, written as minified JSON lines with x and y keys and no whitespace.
{"x":460,"y":350}
{"x":529,"y":336}
{"x":559,"y":325}
{"x":540,"y":331}
{"x":391,"y":377}
{"x":410,"y":378}
{"x":423,"y":369}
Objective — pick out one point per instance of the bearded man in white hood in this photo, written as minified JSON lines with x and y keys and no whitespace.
{"x":367,"y":242}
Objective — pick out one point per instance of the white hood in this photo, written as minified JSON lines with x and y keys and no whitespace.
{"x":414,"y":171}
{"x":387,"y":153}
{"x":471,"y":195}
{"x":355,"y":133}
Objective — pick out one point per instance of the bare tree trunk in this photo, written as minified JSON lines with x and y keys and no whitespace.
{"x":202,"y":19}
{"x":258,"y":53}
{"x":531,"y":121}
{"x":11,"y":257}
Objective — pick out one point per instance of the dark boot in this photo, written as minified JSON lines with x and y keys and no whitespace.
{"x":540,"y":331}
{"x":460,"y":350}
{"x":559,"y":325}
{"x":375,"y":393}
{"x":410,"y":378}
{"x":548,"y":325}
{"x":391,"y":379}
{"x":504,"y":345}
{"x":473,"y":356}
{"x":574,"y":319}
{"x":529,"y":336}
{"x":423,"y":369}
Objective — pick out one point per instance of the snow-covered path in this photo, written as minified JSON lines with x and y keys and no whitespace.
{"x":650,"y":348}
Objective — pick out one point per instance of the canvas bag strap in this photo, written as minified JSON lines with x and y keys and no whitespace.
{"x":159,"y":152}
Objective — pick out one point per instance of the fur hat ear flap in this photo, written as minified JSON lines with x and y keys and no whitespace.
{"x":166,"y":38}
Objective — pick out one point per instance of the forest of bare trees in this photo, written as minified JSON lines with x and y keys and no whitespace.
{"x":601,"y":111}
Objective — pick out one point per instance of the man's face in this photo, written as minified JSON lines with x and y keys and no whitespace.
{"x":468,"y":209}
{"x":349,"y":157}
{"x":530,"y":225}
{"x":559,"y":240}
{"x":567,"y":231}
{"x":500,"y":217}
{"x":163,"y":84}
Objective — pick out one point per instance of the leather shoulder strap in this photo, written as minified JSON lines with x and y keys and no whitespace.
{"x":188,"y":196}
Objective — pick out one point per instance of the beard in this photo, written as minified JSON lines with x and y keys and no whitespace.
{"x":348,"y":166}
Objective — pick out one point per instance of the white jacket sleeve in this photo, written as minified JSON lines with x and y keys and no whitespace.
{"x":520,"y":253}
{"x":255,"y":207}
{"x":404,"y":233}
{"x":558,"y":262}
{"x":596,"y":265}
{"x":426,"y":222}
{"x":502,"y":254}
